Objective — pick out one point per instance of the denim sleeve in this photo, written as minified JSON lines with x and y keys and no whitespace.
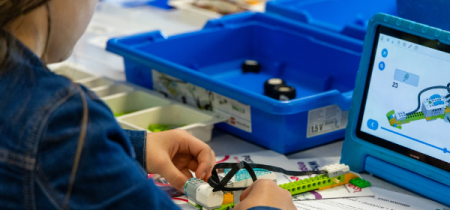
{"x":108,"y":176}
{"x":138,"y":140}
{"x":263,"y":208}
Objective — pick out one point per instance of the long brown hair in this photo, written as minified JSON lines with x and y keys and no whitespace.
{"x":10,"y":10}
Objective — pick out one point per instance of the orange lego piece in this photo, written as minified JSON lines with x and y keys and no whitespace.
{"x":347,"y":177}
{"x":228,"y":198}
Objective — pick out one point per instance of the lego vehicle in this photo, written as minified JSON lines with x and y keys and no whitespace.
{"x":222,"y":193}
{"x":432,"y":108}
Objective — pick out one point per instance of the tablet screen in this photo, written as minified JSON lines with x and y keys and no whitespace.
{"x":406,"y":100}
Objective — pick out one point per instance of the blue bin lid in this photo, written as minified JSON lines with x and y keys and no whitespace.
{"x":349,"y":17}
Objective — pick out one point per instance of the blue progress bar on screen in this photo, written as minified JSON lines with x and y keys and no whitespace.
{"x":442,"y":149}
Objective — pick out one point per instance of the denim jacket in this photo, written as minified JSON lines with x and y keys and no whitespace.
{"x":40,"y":124}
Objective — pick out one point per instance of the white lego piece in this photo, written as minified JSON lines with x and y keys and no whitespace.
{"x":207,"y":198}
{"x":237,"y":196}
{"x":435,"y":105}
{"x":336,"y":170}
{"x":400,"y":116}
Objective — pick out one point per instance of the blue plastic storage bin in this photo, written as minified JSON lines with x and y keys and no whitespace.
{"x":349,"y":17}
{"x":431,"y":12}
{"x":319,"y":63}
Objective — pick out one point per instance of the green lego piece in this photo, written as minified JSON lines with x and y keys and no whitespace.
{"x":312,"y":183}
{"x":414,"y":117}
{"x":437,"y":117}
{"x":162,"y":127}
{"x":226,"y":207}
{"x":158,"y":127}
{"x":361,"y":183}
{"x":118,"y":114}
{"x":389,"y":114}
{"x":197,"y":206}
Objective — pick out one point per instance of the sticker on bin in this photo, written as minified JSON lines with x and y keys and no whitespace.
{"x":238,"y":114}
{"x":326,"y":120}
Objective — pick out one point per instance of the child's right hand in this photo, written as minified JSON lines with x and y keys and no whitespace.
{"x":266,"y":193}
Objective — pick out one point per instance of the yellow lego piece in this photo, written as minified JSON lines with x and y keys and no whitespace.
{"x":347,"y":177}
{"x":447,"y":110}
{"x":393,"y":121}
{"x":253,"y":2}
{"x":227,"y":199}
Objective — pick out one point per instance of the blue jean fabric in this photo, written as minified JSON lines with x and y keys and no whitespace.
{"x":40,"y":124}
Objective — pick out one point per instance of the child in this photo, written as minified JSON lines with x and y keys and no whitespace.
{"x":60,"y":146}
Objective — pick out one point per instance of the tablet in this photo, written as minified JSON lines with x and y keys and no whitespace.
{"x":405,"y":104}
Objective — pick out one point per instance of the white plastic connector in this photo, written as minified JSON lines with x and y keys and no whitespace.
{"x":336,"y":170}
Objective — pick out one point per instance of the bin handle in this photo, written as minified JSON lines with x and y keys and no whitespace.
{"x":345,"y":100}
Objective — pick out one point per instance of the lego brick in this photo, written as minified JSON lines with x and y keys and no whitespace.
{"x":207,"y":198}
{"x":199,"y":192}
{"x":195,"y":204}
{"x":227,"y":199}
{"x":312,"y":183}
{"x":400,"y":116}
{"x":361,"y":183}
{"x":226,"y":207}
{"x":237,"y":196}
{"x":347,"y":178}
{"x":336,"y":170}
{"x":414,"y":117}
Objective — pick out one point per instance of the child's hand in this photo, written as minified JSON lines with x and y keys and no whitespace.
{"x":173,"y":153}
{"x":266,"y":192}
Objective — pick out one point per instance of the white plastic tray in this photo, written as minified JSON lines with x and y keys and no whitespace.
{"x":136,"y":108}
{"x":143,"y":107}
{"x":197,"y":123}
{"x":112,"y":90}
{"x":96,"y":82}
{"x":127,"y":103}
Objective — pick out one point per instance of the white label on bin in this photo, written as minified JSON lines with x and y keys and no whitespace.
{"x":238,"y":114}
{"x":325,"y":120}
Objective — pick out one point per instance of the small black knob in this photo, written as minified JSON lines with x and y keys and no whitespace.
{"x":284,"y":93}
{"x":271,"y":84}
{"x":251,"y":66}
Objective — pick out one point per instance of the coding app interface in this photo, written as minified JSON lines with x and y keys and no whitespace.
{"x":408,"y":98}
